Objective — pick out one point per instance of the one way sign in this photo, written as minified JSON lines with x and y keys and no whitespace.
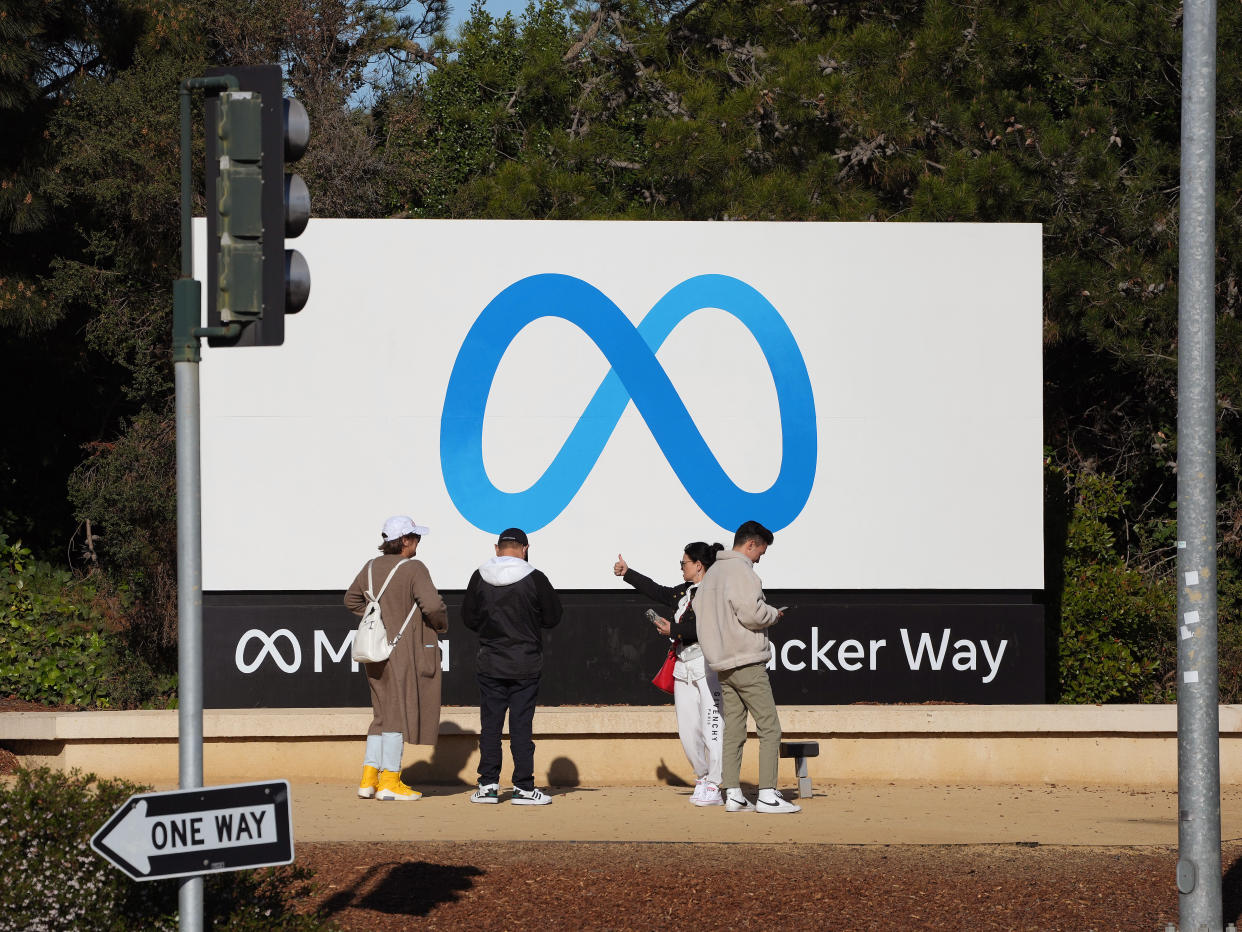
{"x":181,"y":833}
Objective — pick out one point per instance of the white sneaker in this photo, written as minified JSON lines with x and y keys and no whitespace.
{"x":533,"y":797}
{"x":781,"y":805}
{"x":710,"y":796}
{"x":698,"y":790}
{"x":735,"y":805}
{"x":486,"y":793}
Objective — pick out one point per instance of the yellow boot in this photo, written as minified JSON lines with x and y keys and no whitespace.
{"x":391,"y":787}
{"x":370,"y":780}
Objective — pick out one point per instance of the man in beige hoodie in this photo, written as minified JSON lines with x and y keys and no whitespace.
{"x":733,"y":618}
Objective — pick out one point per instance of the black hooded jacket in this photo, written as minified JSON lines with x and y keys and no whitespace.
{"x":508,"y":603}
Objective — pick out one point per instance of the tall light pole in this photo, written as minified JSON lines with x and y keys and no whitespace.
{"x":1198,"y":715}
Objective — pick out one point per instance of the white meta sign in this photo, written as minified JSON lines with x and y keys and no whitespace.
{"x":871,"y":392}
{"x":181,"y":833}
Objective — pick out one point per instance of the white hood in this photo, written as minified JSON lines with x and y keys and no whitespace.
{"x":505,"y":571}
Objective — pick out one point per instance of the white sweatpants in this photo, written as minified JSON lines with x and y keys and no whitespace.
{"x":696,"y":697}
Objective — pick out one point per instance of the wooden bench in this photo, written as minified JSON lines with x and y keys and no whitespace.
{"x":800,"y":751}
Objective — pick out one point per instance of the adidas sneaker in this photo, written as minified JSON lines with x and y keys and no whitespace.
{"x":486,"y":793}
{"x":533,"y":797}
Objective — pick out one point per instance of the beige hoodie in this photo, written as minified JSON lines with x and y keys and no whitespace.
{"x":732,"y":614}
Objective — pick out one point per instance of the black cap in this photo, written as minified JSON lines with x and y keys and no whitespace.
{"x":514,"y":534}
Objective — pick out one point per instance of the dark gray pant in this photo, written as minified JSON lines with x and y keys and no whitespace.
{"x":517,"y":698}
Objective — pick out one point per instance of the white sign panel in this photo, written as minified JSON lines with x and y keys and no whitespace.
{"x":204,"y":830}
{"x":870,"y":392}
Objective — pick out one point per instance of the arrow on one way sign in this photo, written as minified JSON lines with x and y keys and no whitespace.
{"x":181,"y":833}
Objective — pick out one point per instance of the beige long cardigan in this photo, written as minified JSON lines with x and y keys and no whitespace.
{"x":405,"y":688}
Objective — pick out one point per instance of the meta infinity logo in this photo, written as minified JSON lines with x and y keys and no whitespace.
{"x":635,"y":375}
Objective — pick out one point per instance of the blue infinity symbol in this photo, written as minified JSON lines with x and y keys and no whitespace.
{"x":635,"y":375}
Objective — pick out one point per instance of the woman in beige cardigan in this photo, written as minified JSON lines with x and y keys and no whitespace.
{"x":405,"y":688}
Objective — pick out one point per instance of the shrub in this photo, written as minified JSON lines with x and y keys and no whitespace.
{"x":55,"y":645}
{"x":1229,"y":633}
{"x":51,"y":879}
{"x":52,"y":648}
{"x":1114,"y":618}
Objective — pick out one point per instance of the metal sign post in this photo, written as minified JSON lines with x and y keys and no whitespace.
{"x":1198,"y":725}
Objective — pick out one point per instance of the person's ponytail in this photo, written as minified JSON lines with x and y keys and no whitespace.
{"x":703,"y":553}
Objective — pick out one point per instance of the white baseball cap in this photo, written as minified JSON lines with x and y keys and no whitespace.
{"x":398,"y":526}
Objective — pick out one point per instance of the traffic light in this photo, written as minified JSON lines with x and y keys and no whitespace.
{"x":253,"y":205}
{"x":239,"y":279}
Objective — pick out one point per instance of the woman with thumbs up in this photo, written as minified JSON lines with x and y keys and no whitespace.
{"x":696,"y":692}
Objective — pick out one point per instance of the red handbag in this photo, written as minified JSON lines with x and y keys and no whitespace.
{"x":664,"y":679}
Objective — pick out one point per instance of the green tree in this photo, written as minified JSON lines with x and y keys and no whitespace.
{"x":102,"y":155}
{"x":664,"y":109}
{"x":62,"y":392}
{"x":930,"y":111}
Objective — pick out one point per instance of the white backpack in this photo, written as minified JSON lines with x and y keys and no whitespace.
{"x":371,"y":643}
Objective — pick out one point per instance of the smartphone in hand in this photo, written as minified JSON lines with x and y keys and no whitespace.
{"x":652,"y":616}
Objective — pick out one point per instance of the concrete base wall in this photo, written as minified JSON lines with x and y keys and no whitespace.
{"x":638,"y":746}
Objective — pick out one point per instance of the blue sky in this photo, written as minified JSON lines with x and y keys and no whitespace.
{"x":498,"y":8}
{"x":460,"y":11}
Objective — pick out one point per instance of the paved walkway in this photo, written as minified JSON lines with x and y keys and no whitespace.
{"x":845,"y":813}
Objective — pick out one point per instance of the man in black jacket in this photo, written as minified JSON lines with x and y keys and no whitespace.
{"x":508,"y":603}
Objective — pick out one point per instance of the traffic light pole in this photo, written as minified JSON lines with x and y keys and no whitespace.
{"x":186,"y":334}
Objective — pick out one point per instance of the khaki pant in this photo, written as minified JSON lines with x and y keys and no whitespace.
{"x":747,"y":689}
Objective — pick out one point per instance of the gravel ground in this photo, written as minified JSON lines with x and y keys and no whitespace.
{"x":551,"y":886}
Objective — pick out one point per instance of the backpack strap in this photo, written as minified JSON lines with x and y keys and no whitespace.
{"x":413,"y":609}
{"x":371,"y":585}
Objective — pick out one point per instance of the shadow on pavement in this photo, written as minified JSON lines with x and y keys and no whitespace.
{"x":412,"y":888}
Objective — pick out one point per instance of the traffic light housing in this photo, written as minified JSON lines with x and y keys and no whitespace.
{"x":253,"y":206}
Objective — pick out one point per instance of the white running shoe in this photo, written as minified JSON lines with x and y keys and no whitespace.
{"x":698,"y":790}
{"x":781,"y":805}
{"x":533,"y":797}
{"x":486,"y":793}
{"x":735,"y":805}
{"x":710,"y":796}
